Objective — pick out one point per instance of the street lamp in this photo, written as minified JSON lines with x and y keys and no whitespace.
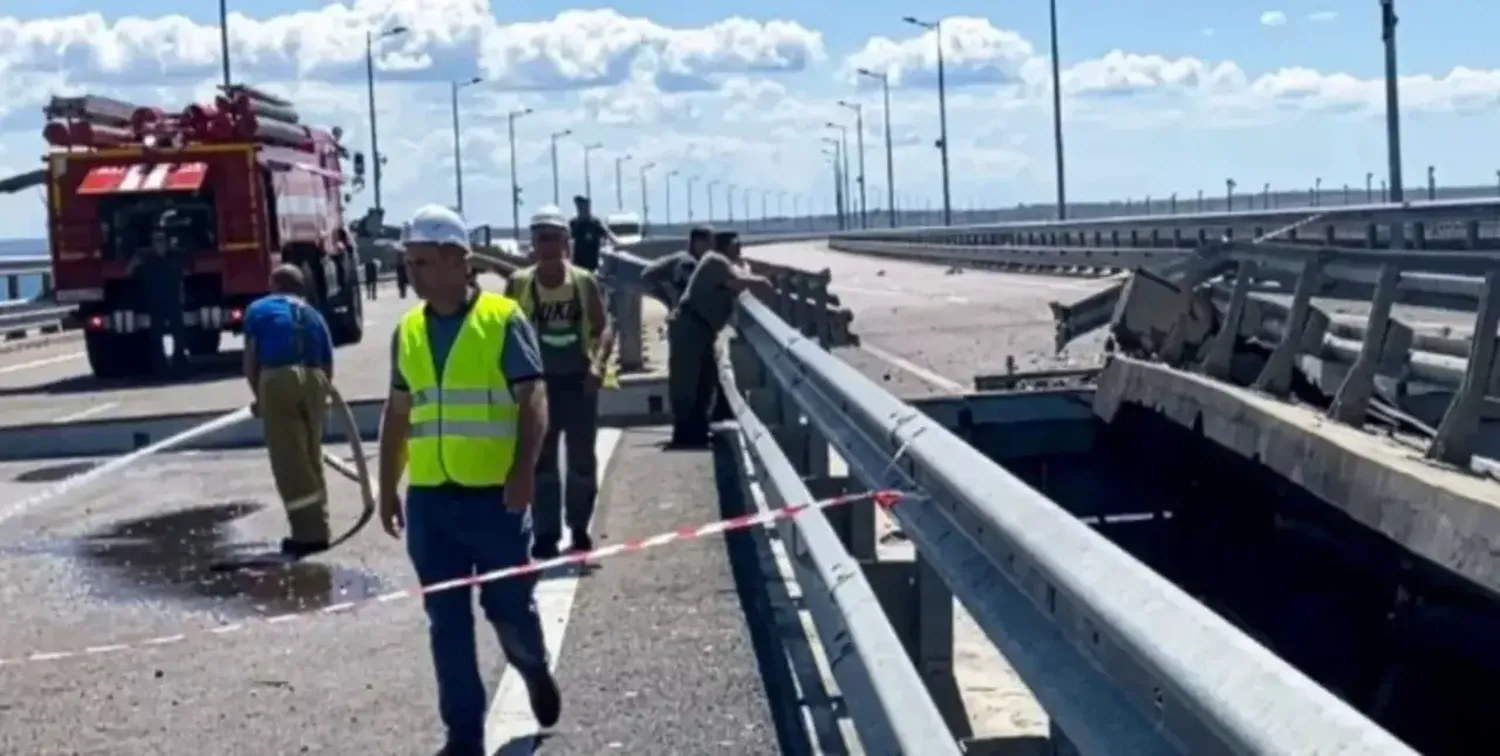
{"x":729,"y":203}
{"x":844,"y":156}
{"x":556,"y":188}
{"x":859,"y":129}
{"x":890,"y":167}
{"x":708,"y":189}
{"x":224,"y":42}
{"x":588,"y":179}
{"x":668,"y":182}
{"x":1388,"y":22}
{"x":838,"y":175}
{"x":645,"y":204}
{"x":370,"y":88}
{"x":936,"y":27}
{"x":458,"y":158}
{"x":515,"y":186}
{"x":620,"y":182}
{"x":690,"y":181}
{"x":1057,"y":135}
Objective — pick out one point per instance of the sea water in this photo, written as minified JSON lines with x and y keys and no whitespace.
{"x":31,"y":286}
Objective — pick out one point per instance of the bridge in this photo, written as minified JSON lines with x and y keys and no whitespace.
{"x":1247,"y":508}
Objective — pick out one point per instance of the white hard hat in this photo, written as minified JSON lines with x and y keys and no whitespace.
{"x":548,"y":216}
{"x":436,"y":224}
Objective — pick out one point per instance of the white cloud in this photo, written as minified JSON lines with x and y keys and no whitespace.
{"x":746,"y":101}
{"x":1322,"y":16}
{"x":1273,"y":18}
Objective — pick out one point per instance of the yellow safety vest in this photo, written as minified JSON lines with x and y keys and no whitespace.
{"x":463,"y":420}
{"x":583,"y":280}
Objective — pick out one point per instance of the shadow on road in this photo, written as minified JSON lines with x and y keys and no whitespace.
{"x":172,"y":557}
{"x":54,"y":473}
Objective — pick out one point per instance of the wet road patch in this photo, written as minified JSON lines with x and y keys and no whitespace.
{"x":172,"y":558}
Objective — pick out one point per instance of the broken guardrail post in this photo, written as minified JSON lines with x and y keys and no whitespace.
{"x":1276,"y":377}
{"x":1454,"y":442}
{"x":1352,"y":401}
{"x":1221,"y":351}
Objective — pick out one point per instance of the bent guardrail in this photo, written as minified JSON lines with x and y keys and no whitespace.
{"x":1122,"y":660}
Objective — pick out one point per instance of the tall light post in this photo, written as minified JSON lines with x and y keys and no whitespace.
{"x":1392,"y":100}
{"x":844,"y":157}
{"x":224,"y":42}
{"x":620,"y":182}
{"x":668,"y":182}
{"x":708,"y":190}
{"x":515,"y":184}
{"x":690,"y":181}
{"x":458,"y":156}
{"x":1057,"y":134}
{"x":645,"y":203}
{"x":859,"y":130}
{"x":936,"y":27}
{"x":890,"y":162}
{"x":370,"y":89}
{"x":556,"y":186}
{"x":729,"y":202}
{"x":588,"y":178}
{"x":745,"y":198}
{"x":838,"y":174}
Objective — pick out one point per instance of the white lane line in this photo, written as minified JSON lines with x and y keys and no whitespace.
{"x":510,"y":722}
{"x":86,"y":412}
{"x":930,"y":377}
{"x":39,"y":363}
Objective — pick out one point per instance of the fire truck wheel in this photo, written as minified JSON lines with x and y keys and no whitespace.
{"x":204,"y":343}
{"x":112,"y":355}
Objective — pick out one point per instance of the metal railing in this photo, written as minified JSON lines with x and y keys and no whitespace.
{"x":1122,"y":660}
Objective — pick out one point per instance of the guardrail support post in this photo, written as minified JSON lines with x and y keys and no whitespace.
{"x":1276,"y":377}
{"x":1353,"y":398}
{"x":817,"y":307}
{"x":1221,"y":352}
{"x":1454,"y":443}
{"x":920,"y":608}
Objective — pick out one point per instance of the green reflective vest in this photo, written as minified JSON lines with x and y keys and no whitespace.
{"x":584,"y":285}
{"x":463,"y":420}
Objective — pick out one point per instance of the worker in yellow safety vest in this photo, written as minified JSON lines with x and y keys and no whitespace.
{"x":465,"y":420}
{"x":566,"y":306}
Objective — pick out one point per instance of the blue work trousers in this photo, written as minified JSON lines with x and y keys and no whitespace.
{"x":451,"y":533}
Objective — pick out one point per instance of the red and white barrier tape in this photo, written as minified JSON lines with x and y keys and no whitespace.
{"x":884,"y":498}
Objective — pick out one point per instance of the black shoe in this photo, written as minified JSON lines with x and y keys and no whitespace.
{"x":461,"y":749}
{"x":546,"y":699}
{"x":544,"y":550}
{"x":302,"y":549}
{"x":581,"y":543}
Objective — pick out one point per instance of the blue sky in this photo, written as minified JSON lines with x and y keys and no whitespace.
{"x":1161,"y":95}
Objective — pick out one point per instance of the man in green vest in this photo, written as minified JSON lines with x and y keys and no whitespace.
{"x":465,"y":420}
{"x":566,"y":307}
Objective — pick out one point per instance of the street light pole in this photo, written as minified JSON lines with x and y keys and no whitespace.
{"x":1057,"y":132}
{"x":370,"y":89}
{"x":690,"y":181}
{"x":709,"y":190}
{"x":588,"y":179}
{"x":224,"y":41}
{"x":620,"y":182}
{"x":515,"y":185}
{"x":844,"y":156}
{"x":1388,"y":22}
{"x":839,"y":180}
{"x":729,"y":203}
{"x":937,"y":29}
{"x":668,"y":182}
{"x":458,"y":157}
{"x":859,"y":128}
{"x":645,"y":202}
{"x":890,"y":163}
{"x":557,"y":187}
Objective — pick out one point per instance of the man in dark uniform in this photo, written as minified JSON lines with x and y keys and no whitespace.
{"x":158,"y":276}
{"x":692,"y":330}
{"x":372,"y":277}
{"x":589,"y":234}
{"x":666,"y":278}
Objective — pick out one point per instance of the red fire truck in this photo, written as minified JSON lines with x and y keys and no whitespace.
{"x":246,"y":187}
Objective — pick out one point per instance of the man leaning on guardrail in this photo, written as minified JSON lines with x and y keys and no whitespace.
{"x":692,"y":329}
{"x":667,"y":277}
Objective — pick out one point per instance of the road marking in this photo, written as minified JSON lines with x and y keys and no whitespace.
{"x":510,"y":723}
{"x":932,"y":379}
{"x":40,"y":363}
{"x":86,"y":412}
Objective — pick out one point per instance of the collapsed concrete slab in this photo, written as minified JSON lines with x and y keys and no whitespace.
{"x":1446,"y":515}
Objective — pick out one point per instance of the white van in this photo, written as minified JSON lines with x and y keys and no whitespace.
{"x":626,"y":227}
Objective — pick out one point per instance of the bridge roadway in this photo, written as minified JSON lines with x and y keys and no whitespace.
{"x":658,"y":654}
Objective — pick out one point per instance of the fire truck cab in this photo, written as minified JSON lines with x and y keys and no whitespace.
{"x":230,"y":190}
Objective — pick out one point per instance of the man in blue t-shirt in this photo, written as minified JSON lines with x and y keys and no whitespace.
{"x":289,"y":363}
